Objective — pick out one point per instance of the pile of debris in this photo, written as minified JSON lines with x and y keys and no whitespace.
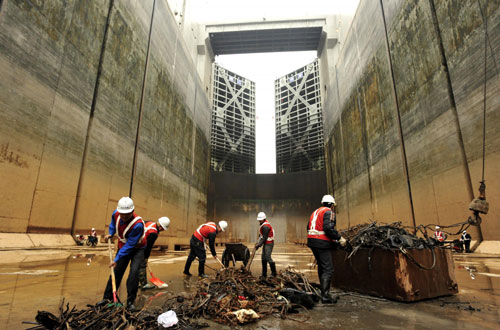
{"x":233,"y":297}
{"x":390,"y":236}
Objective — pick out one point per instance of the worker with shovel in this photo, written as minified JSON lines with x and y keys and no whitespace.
{"x":321,"y":238}
{"x":152,"y":230}
{"x":130,"y":231}
{"x":206,"y":231}
{"x":266,"y":239}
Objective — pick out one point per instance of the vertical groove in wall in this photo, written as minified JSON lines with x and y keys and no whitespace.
{"x":91,"y":115}
{"x":193,"y":145}
{"x":458,"y":129}
{"x":141,"y":106}
{"x":365,"y":147}
{"x":449,"y":88}
{"x":343,"y":151}
{"x":398,"y":115}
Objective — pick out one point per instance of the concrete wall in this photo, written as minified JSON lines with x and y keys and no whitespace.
{"x":287,"y":199}
{"x":67,"y":153}
{"x":366,"y":163}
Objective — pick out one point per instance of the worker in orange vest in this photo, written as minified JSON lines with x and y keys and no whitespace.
{"x":266,"y":239}
{"x":321,"y":238}
{"x":439,"y":235}
{"x":206,"y":231}
{"x":151,"y":231}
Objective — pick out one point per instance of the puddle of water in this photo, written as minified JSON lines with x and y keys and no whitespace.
{"x":33,"y":285}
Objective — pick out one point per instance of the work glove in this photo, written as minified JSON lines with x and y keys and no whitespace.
{"x":342,"y":241}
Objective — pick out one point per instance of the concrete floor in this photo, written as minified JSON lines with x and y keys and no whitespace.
{"x":38,"y":280}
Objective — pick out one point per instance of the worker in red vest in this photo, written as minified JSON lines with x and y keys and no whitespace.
{"x":439,"y":235}
{"x":151,"y":232}
{"x":130,"y":231}
{"x":206,"y":231}
{"x":321,"y":238}
{"x":266,"y":239}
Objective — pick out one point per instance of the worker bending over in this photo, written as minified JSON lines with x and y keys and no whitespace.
{"x":151,"y":232}
{"x":321,"y":238}
{"x":266,"y":239}
{"x":130,"y":231}
{"x":207,"y":231}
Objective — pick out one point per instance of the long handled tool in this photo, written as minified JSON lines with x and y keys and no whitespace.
{"x":215,"y":257}
{"x":113,"y":281}
{"x":155,"y":280}
{"x":251,"y":258}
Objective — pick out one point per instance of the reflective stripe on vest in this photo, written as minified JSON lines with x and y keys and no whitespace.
{"x":313,"y":231}
{"x":208,"y":224}
{"x":123,"y":239}
{"x":270,"y":237}
{"x":149,"y":228}
{"x":439,"y":236}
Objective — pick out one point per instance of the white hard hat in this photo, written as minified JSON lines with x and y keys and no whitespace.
{"x":164,"y":222}
{"x":261,"y":216}
{"x":437,"y":227}
{"x":93,"y":228}
{"x":328,"y":199}
{"x":125,"y":205}
{"x":223,"y":225}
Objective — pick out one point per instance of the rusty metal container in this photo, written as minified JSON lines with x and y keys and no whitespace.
{"x":393,"y":275}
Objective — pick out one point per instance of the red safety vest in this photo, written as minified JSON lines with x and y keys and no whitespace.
{"x":270,"y":237}
{"x":439,"y":235}
{"x":315,"y":227}
{"x":204,"y":230}
{"x":149,"y":227}
{"x":123,"y":228}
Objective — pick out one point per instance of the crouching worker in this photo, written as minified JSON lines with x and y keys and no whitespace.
{"x":152,"y":230}
{"x":321,"y":238}
{"x":130,"y":231}
{"x":207,"y":231}
{"x":266,"y":239}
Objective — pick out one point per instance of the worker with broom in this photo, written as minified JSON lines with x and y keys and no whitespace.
{"x":152,"y":230}
{"x":206,"y":231}
{"x":266,"y":239}
{"x":321,"y":238}
{"x":130,"y":231}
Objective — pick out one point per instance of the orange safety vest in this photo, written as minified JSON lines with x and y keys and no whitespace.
{"x":123,"y":229}
{"x":315,"y":226}
{"x":204,"y":230}
{"x":149,"y":227}
{"x":439,"y":235}
{"x":270,"y":237}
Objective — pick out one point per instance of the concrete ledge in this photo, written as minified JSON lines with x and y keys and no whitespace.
{"x":488,"y":247}
{"x":26,"y":241}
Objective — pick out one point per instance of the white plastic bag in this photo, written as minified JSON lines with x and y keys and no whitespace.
{"x":168,"y":319}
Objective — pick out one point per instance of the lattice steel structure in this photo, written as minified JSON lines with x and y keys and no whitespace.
{"x":233,"y":123}
{"x":299,"y":121}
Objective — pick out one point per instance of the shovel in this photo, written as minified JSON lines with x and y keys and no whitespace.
{"x":155,"y":280}
{"x":251,"y":258}
{"x":113,"y":282}
{"x":220,"y":262}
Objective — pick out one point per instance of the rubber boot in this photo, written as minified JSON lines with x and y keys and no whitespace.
{"x":325,"y":291}
{"x":201,"y":269}
{"x":264,"y":268}
{"x":272,"y":265}
{"x":186,"y":268}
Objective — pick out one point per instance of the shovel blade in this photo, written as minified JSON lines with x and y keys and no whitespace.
{"x":159,"y":283}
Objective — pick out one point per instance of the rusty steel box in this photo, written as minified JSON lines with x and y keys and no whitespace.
{"x":393,"y":275}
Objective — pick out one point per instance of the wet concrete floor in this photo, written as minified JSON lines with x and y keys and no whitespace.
{"x":39,"y":280}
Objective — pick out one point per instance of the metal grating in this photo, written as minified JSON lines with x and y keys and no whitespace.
{"x":233,"y":123}
{"x":299,"y":121}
